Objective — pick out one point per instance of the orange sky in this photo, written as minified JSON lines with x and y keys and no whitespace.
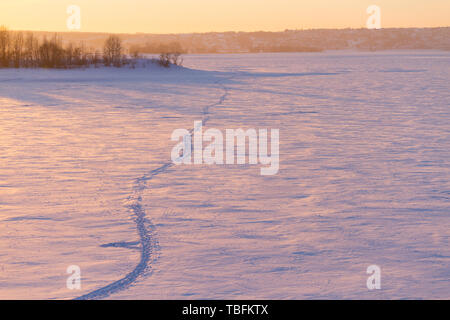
{"x":183,"y":16}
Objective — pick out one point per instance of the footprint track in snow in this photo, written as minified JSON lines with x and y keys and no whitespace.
{"x":146,"y":229}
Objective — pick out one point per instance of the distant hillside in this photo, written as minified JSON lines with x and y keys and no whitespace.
{"x":287,"y":41}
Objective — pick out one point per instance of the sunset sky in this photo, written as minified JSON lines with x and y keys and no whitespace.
{"x":183,"y":16}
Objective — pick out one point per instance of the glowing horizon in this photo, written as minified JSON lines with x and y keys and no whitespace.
{"x":180,"y":16}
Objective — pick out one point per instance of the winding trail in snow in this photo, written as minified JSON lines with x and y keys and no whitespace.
{"x":145,"y":227}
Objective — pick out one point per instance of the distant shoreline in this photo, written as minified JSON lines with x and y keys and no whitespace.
{"x":220,"y":32}
{"x":310,"y":40}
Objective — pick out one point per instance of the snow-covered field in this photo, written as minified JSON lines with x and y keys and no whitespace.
{"x":86,"y":180}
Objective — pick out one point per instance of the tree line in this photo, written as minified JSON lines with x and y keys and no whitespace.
{"x":25,"y":50}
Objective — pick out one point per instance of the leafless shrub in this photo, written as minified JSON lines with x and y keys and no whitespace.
{"x":168,"y":59}
{"x":164,"y":60}
{"x":175,"y":58}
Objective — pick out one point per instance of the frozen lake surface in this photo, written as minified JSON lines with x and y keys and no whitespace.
{"x":86,"y":180}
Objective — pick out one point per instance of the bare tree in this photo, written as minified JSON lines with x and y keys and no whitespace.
{"x":51,"y":53}
{"x":5,"y":42}
{"x":17,"y":49}
{"x":31,"y":50}
{"x":112,"y":51}
{"x":69,"y":54}
{"x":96,"y":58}
{"x":84,"y":55}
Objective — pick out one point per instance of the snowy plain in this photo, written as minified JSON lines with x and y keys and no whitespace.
{"x":363,"y":180}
